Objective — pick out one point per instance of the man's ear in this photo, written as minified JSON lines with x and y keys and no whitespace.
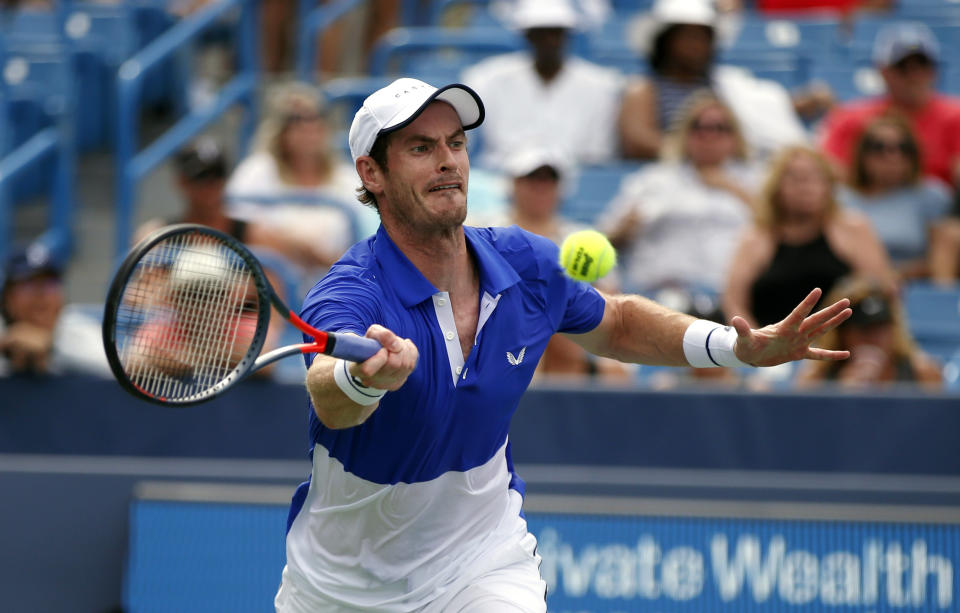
{"x":371,"y":175}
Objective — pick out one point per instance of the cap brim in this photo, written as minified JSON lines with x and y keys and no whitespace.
{"x":464,"y":101}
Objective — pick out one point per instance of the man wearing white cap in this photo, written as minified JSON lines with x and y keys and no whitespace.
{"x":543,"y":97}
{"x":413,"y":503}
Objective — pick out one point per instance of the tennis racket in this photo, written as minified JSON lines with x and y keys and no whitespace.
{"x":187,"y":314}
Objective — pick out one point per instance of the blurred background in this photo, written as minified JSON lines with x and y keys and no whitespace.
{"x":737,"y":153}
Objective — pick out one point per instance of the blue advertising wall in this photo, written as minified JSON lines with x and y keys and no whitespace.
{"x":613,"y":475}
{"x":203,"y":557}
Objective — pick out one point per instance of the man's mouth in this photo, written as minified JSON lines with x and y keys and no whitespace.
{"x":445,"y":187}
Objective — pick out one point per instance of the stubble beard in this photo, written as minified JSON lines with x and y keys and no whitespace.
{"x":412,"y":212}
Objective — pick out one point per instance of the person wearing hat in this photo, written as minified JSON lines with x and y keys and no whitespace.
{"x":544,"y":97}
{"x":679,"y":40}
{"x":882,"y":350}
{"x":906,"y":54}
{"x":39,"y":335}
{"x":412,"y":502}
{"x":201,"y":170}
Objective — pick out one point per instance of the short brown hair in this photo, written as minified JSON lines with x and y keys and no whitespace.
{"x":379,"y":154}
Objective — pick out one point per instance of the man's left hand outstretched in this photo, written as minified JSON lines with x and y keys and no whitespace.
{"x":791,"y":338}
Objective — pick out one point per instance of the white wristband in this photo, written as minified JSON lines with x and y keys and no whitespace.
{"x":707,"y":344}
{"x":355,"y":390}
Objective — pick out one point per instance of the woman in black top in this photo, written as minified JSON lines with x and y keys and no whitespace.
{"x":800,"y":239}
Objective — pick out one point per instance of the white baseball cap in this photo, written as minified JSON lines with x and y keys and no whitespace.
{"x":398,"y":104}
{"x":667,"y":13}
{"x":530,"y":14}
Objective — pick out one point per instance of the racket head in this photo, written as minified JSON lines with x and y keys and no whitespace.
{"x":186,"y":315}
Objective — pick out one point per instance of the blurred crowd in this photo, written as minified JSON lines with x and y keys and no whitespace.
{"x":743,"y":195}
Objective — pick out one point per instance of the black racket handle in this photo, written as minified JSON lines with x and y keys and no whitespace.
{"x":351,"y":347}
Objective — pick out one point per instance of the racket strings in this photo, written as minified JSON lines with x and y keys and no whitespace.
{"x":187,"y":317}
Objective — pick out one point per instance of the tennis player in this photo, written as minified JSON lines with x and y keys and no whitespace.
{"x":413,"y":503}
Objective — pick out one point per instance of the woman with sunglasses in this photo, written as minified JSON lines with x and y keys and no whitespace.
{"x":677,"y":220}
{"x":887,"y":185}
{"x":295,"y":179}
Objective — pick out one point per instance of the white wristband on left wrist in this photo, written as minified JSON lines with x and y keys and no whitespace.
{"x":707,"y":344}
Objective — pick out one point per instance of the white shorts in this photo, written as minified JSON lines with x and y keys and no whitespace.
{"x":508,"y":583}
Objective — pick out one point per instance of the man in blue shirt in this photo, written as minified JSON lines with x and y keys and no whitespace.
{"x":413,"y":504}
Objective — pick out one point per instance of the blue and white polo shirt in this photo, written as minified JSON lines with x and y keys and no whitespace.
{"x":398,"y":506}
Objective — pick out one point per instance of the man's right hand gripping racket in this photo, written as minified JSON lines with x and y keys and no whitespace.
{"x":187,"y":316}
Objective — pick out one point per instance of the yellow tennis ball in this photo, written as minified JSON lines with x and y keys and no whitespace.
{"x":587,"y":255}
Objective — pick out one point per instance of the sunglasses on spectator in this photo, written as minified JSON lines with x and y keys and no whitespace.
{"x":880,"y":146}
{"x":715,"y":127}
{"x":302,"y":117}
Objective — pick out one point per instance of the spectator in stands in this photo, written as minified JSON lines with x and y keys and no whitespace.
{"x":906,"y":55}
{"x":881,"y":348}
{"x":538,"y":178}
{"x":39,"y":334}
{"x":679,"y":41}
{"x":296,"y":179}
{"x":201,"y":170}
{"x":885,"y":183}
{"x":676,"y":221}
{"x":801,"y":239}
{"x":545,"y":97}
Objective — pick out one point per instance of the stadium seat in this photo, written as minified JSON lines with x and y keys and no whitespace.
{"x":849,"y":81}
{"x":38,"y":84}
{"x":435,"y":50}
{"x":783,"y":66}
{"x":933,"y":314}
{"x":594,"y":188}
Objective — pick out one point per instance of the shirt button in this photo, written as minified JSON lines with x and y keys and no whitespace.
{"x":449,"y":336}
{"x":459,"y":369}
{"x":441,"y":301}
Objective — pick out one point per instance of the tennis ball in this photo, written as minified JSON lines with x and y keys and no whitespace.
{"x":587,"y":255}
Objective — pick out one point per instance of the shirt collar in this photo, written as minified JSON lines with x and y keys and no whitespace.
{"x":496,"y":274}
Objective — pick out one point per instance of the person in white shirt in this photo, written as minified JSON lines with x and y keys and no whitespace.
{"x":677,"y":221}
{"x":544,"y":97}
{"x":295,"y":178}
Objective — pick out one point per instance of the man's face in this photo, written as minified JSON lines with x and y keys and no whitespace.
{"x":549,"y":45}
{"x":911,"y":80}
{"x":36,"y":300}
{"x":538,"y":193}
{"x":203,"y":195}
{"x":425,"y":184}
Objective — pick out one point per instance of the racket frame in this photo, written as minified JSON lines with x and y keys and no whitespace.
{"x":266,"y":298}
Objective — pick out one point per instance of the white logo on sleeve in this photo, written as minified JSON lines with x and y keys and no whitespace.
{"x":515,"y":361}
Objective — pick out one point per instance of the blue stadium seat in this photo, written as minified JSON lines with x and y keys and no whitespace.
{"x":849,"y":81}
{"x":804,"y":36}
{"x":933,"y":313}
{"x":783,"y":66}
{"x":595,"y":187}
{"x":443,"y":50}
{"x":38,"y":82}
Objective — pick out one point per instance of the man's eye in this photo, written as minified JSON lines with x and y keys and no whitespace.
{"x":419,"y":149}
{"x":457,"y":144}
